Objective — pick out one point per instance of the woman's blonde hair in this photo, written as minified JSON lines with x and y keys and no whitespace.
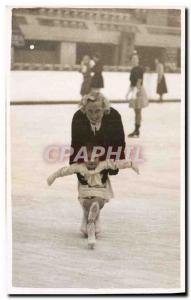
{"x":94,"y":97}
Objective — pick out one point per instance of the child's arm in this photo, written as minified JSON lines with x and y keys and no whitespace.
{"x":62,"y":172}
{"x":135,"y":168}
{"x":123,"y":164}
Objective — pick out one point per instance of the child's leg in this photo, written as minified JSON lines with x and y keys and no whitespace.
{"x":92,"y":208}
{"x":91,"y":234}
{"x":94,"y":213}
{"x":86,"y":204}
{"x":101,"y":202}
{"x":97,"y":225}
{"x":83,"y":227}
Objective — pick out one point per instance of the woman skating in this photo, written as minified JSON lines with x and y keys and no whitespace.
{"x":98,"y":124}
{"x":136,"y":94}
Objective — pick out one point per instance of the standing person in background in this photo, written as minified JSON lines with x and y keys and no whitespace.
{"x":161,"y":81}
{"x":137,"y":94}
{"x":86,"y":71}
{"x":97,"y":80}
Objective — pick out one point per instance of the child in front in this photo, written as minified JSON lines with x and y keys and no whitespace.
{"x":95,"y":193}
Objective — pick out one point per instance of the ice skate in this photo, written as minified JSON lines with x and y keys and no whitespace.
{"x":135,"y":133}
{"x":91,"y":235}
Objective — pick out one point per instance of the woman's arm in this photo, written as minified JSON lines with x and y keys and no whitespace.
{"x":118,"y":135}
{"x":78,"y":133}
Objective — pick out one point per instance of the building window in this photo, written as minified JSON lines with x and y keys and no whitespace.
{"x":19,"y":20}
{"x":46,"y":22}
{"x":39,"y":52}
{"x":106,"y":51}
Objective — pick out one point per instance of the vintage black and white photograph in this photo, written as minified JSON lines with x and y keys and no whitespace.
{"x":96,"y":129}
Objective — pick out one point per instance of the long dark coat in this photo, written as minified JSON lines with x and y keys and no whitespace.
{"x":97,"y":79}
{"x":161,"y":86}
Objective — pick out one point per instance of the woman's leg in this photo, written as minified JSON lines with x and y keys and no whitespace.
{"x":161,"y":97}
{"x":138,"y":119}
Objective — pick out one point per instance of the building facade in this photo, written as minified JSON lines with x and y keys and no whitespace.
{"x":62,"y":36}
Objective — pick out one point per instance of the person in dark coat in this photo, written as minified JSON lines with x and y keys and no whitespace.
{"x":161,"y":81}
{"x":97,"y":78}
{"x":86,"y":71}
{"x":97,"y":124}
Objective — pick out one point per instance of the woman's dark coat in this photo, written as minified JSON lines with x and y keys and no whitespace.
{"x":111,"y":134}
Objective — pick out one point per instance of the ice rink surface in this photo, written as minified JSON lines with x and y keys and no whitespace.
{"x":140,"y":242}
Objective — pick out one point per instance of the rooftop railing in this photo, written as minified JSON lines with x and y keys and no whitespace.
{"x":61,"y":67}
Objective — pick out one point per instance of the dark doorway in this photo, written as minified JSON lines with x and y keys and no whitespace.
{"x":34,"y":51}
{"x":106,"y":52}
{"x":147,"y":56}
